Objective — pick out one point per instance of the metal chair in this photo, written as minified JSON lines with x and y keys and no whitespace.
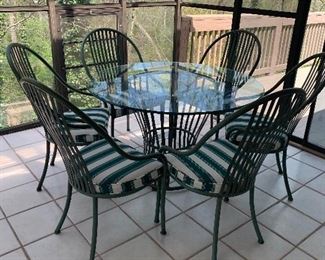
{"x":221,"y":169}
{"x":313,"y":84}
{"x":25,"y":62}
{"x":237,"y":50}
{"x":103,"y":50}
{"x":104,"y":169}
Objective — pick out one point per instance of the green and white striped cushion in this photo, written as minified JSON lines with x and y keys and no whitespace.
{"x":81,"y":132}
{"x":205,"y":169}
{"x":234,"y":131}
{"x":113,"y":173}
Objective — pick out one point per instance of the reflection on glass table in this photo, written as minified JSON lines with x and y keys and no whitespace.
{"x":173,"y":101}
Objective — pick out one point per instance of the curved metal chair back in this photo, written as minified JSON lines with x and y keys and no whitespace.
{"x":103,"y":50}
{"x":25,"y":62}
{"x":313,"y":84}
{"x":239,"y":50}
{"x":48,"y":106}
{"x":270,"y":115}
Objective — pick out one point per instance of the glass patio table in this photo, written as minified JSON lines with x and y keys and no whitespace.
{"x":172,"y":101}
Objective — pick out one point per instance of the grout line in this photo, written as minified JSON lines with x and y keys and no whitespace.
{"x":181,"y":212}
{"x":143,"y":232}
{"x":16,"y":236}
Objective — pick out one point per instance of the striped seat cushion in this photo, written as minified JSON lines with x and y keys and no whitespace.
{"x":234,"y":131}
{"x":113,"y":173}
{"x":81,"y":132}
{"x":205,"y":169}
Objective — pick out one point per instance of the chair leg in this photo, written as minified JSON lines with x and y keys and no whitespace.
{"x":94,"y":232}
{"x":218,"y":121}
{"x":46,"y":164}
{"x":65,"y":211}
{"x":54,"y":154}
{"x":163,"y":199}
{"x":216,"y":230}
{"x":211,"y":121}
{"x":128,"y":122}
{"x":158,"y":185}
{"x":112,"y":126}
{"x":285,"y":175}
{"x":253,"y":215}
{"x":278,"y":162}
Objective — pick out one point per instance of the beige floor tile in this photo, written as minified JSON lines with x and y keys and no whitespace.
{"x":310,"y":159}
{"x":81,"y":206}
{"x":21,"y":198}
{"x":37,"y":166}
{"x":318,"y":184}
{"x":8,"y":158}
{"x":261,"y":201}
{"x":310,"y":202}
{"x":184,"y":237}
{"x":288,"y":222}
{"x":185,"y":199}
{"x":292,"y":150}
{"x":224,"y":253}
{"x":14,"y":176}
{"x":299,"y":171}
{"x":297,"y":254}
{"x":114,"y":227}
{"x":68,"y":245}
{"x":230,"y":217}
{"x":270,"y":160}
{"x":121,"y":200}
{"x":57,"y":185}
{"x":142,"y":210}
{"x":15,"y":255}
{"x":315,"y":244}
{"x":139,"y":248}
{"x":8,"y":240}
{"x":40,"y":130}
{"x":272,"y":183}
{"x":31,"y":152}
{"x":244,"y":241}
{"x":37,"y":222}
{"x":24,"y":138}
{"x":3,"y":144}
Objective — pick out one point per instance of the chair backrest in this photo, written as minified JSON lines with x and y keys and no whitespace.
{"x":239,"y":50}
{"x":263,"y":133}
{"x":25,"y":62}
{"x":48,"y":106}
{"x":103,"y":50}
{"x":313,"y":83}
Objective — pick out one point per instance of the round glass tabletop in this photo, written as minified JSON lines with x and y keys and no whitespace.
{"x":181,"y":88}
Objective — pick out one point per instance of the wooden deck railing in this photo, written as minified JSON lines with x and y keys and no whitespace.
{"x":198,"y":31}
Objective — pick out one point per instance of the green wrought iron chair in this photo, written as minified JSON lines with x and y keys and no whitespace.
{"x":313,"y":84}
{"x":103,"y":50}
{"x":222,"y":169}
{"x":25,"y":62}
{"x":106,"y":168}
{"x":237,"y":50}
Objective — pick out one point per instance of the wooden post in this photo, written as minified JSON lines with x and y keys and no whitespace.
{"x":297,"y":39}
{"x":186,"y":23}
{"x":276,"y":46}
{"x":238,"y":4}
{"x":57,"y":47}
{"x":177,"y":31}
{"x":121,"y":17}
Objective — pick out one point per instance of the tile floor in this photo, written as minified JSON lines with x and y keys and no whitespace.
{"x":291,"y":230}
